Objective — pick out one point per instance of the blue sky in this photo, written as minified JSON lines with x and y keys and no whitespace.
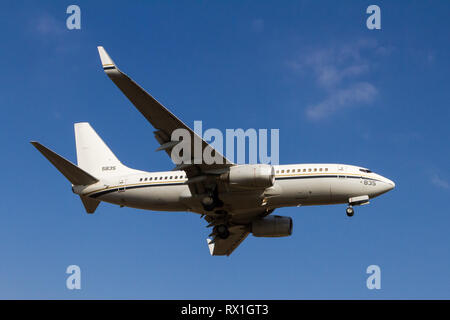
{"x":337,"y":91}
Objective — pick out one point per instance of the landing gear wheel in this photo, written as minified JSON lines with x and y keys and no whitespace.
{"x":350,"y":212}
{"x":212,"y":201}
{"x":209,"y":207}
{"x":222,"y":231}
{"x":208,"y":203}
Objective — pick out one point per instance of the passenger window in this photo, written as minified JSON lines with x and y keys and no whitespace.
{"x":287,"y":171}
{"x":304,"y":170}
{"x":140,"y":179}
{"x":326,"y":169}
{"x":282,"y":171}
{"x":150,"y":179}
{"x":160,"y":178}
{"x":170,"y":177}
{"x":320,"y":169}
{"x":278,"y":171}
{"x":145,"y":179}
{"x":315,"y":169}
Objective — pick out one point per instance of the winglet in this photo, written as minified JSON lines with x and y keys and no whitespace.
{"x":106,"y":60}
{"x":211,"y":246}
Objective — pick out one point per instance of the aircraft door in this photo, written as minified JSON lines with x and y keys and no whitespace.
{"x":122,"y":185}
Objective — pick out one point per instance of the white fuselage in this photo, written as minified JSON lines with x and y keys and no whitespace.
{"x":295,"y":185}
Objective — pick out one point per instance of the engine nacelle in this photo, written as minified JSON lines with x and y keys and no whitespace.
{"x":251,"y":176}
{"x":272,"y":226}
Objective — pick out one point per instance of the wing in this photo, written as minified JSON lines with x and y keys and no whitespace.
{"x":237,"y":232}
{"x":202,"y":177}
{"x":163,"y":120}
{"x":222,"y":247}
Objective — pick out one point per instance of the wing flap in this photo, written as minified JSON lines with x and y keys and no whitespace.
{"x":224,"y":247}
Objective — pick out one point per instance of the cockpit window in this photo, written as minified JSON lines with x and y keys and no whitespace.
{"x":365,"y":170}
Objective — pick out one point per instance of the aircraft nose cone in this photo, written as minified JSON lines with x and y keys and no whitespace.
{"x":390,"y":184}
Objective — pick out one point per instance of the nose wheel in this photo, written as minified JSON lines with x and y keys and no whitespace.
{"x":350,"y":211}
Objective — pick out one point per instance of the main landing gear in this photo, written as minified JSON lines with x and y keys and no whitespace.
{"x":350,"y":211}
{"x":222,"y":231}
{"x":211,"y":201}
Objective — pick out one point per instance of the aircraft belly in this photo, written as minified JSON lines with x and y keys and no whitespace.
{"x":305,"y":191}
{"x":152,"y":198}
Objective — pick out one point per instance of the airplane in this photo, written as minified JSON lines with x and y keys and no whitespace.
{"x":235,"y":199}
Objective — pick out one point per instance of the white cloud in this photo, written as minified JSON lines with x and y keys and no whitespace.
{"x":331,"y":65}
{"x":438,"y":182}
{"x":339,"y":70}
{"x":384,"y":50}
{"x":359,"y":93}
{"x":46,"y":25}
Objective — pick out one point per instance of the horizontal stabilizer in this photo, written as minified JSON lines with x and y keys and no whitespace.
{"x":73,"y":173}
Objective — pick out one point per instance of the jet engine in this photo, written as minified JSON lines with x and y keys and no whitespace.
{"x":251,"y":176}
{"x":272,"y":226}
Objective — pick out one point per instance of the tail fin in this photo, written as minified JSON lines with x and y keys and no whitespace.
{"x":93,"y":155}
{"x":74,"y":174}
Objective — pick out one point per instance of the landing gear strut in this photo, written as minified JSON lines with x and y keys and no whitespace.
{"x":350,"y":211}
{"x":212,"y":201}
{"x":222,"y":231}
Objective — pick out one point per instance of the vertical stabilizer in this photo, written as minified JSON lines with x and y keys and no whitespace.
{"x":93,"y":155}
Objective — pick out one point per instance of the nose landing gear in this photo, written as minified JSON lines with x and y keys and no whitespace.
{"x":350,"y":211}
{"x":356,"y":201}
